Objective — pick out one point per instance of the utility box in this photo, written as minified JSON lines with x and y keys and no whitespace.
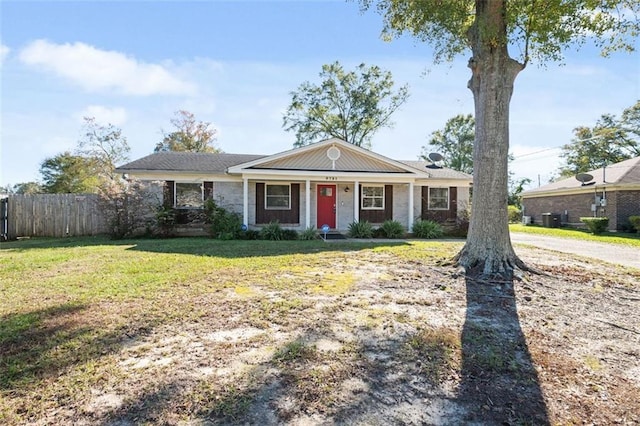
{"x":551,"y":220}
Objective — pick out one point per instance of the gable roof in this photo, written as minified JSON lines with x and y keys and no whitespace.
{"x":309,"y":158}
{"x":316,"y":157}
{"x":437,"y":172}
{"x":623,"y":173}
{"x":187,"y":162}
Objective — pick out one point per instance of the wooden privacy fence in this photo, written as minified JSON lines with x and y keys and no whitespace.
{"x":53,"y":215}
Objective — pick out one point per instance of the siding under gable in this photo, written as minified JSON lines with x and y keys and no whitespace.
{"x":317,"y":160}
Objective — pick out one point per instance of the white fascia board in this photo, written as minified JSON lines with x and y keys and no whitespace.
{"x":179,"y":176}
{"x":261,"y":174}
{"x":583,"y":190}
{"x":444,"y":182}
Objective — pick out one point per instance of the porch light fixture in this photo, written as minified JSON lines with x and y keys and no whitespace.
{"x":347,"y":189}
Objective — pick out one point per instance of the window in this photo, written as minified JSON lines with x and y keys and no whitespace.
{"x":188,"y":195}
{"x":438,"y":198}
{"x":277,"y":197}
{"x":372,"y":198}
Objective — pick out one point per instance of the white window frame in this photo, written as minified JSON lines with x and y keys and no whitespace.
{"x":448,"y":197}
{"x":362,"y":197}
{"x":175,"y":195}
{"x":266,"y":196}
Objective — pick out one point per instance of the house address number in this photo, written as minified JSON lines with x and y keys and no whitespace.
{"x":330,"y":178}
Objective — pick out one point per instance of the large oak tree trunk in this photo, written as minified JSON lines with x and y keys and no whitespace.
{"x":488,"y":250}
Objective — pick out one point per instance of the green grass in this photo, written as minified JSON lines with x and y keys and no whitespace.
{"x":606,"y":237}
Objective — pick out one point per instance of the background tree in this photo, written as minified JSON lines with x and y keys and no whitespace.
{"x":516,"y":188}
{"x":454,"y":142}
{"x":27,"y":188}
{"x":541,"y":30}
{"x":351,"y":106}
{"x":68,"y":173}
{"x":190,"y":135}
{"x":104,"y":145}
{"x":610,"y":141}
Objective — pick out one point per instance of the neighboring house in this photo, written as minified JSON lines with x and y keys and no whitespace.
{"x":330,"y":182}
{"x":614,"y":192}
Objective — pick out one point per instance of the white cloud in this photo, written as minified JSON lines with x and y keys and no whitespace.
{"x":4,"y":51}
{"x":102,"y":70}
{"x":104,"y":115}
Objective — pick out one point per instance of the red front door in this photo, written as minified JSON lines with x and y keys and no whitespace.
{"x":326,"y":206}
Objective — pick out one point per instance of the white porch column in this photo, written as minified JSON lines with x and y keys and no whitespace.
{"x":307,"y":200}
{"x":410,"y":206}
{"x":356,"y":203}
{"x":245,"y":201}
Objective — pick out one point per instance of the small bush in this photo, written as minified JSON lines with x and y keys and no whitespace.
{"x":308,"y":234}
{"x":378,"y":233}
{"x":595,"y":225}
{"x":289,"y":234}
{"x":249,"y":234}
{"x":225,"y":225}
{"x":427,"y":229}
{"x":362,"y":229}
{"x":392,"y":229}
{"x":165,"y":221}
{"x":635,"y":222}
{"x":272,"y":232}
{"x":515,"y":214}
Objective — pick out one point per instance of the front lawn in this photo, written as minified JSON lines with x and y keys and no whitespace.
{"x":579,"y":234}
{"x":201,"y":331}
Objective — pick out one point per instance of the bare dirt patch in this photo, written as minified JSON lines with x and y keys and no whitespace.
{"x":387,"y":339}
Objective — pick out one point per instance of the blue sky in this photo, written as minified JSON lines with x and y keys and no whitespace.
{"x":234,"y":64}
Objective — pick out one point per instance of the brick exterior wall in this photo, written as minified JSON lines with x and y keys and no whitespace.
{"x":620,"y":205}
{"x":628,"y":204}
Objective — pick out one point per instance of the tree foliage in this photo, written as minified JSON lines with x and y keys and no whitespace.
{"x":68,"y":173}
{"x":610,"y":141}
{"x":104,"y":145}
{"x":126,"y":205}
{"x":189,"y":135}
{"x":351,"y":106}
{"x":454,"y":142}
{"x":22,"y":188}
{"x":540,"y":31}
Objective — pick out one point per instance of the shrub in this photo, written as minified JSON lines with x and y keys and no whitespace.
{"x":378,"y":233}
{"x":273,"y":232}
{"x":165,"y":221}
{"x":225,"y":225}
{"x":125,"y":206}
{"x":392,"y":229}
{"x":427,"y":229}
{"x":289,"y":234}
{"x":635,"y":222}
{"x":309,"y":234}
{"x":596,"y":225}
{"x":515,"y":214}
{"x":361,"y":229}
{"x":249,"y":234}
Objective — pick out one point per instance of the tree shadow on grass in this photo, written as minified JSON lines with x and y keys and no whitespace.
{"x":202,"y":246}
{"x":499,"y":382}
{"x":380,"y":379}
{"x":44,"y":343}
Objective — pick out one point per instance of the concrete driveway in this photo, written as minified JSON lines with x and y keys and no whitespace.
{"x":612,"y":253}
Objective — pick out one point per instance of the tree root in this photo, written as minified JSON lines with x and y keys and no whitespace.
{"x":493,"y":269}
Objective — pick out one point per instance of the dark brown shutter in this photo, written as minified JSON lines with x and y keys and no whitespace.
{"x":453,"y":202}
{"x":388,"y":202}
{"x":260,"y":211}
{"x":168,"y":194}
{"x":208,"y":190}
